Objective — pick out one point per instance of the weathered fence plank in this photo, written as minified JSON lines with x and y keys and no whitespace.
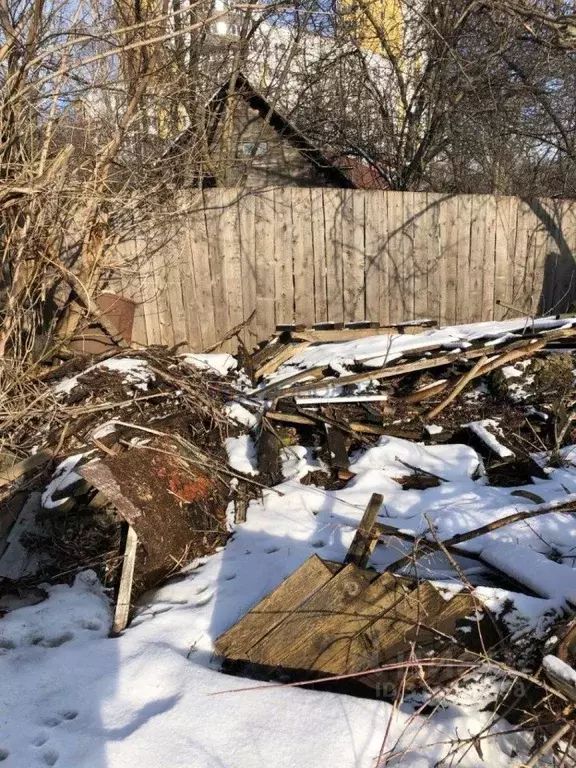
{"x":311,"y":255}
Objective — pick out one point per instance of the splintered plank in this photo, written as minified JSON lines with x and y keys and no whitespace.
{"x":289,"y":644}
{"x":341,"y":651}
{"x":122,"y":610}
{"x":365,"y":540}
{"x":273,"y":609}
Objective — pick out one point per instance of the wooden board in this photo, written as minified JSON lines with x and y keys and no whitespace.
{"x":300,"y":255}
{"x":333,"y":245}
{"x":273,"y":609}
{"x":198,"y":260}
{"x":489,"y":261}
{"x":376,"y":259}
{"x":344,"y":650}
{"x":303,"y":258}
{"x":291,"y":638}
{"x":448,"y":245}
{"x":246,"y":217}
{"x":353,"y":224}
{"x":395,"y":253}
{"x":283,"y":256}
{"x":464,"y":308}
{"x":265,"y":296}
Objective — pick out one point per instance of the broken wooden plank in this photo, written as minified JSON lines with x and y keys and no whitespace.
{"x":237,"y":641}
{"x":35,"y":461}
{"x":336,"y":443}
{"x":366,"y":535}
{"x":463,"y":381}
{"x":269,"y":464}
{"x":329,"y":336}
{"x":270,"y":389}
{"x":284,"y":354}
{"x":122,"y":610}
{"x":344,"y":651}
{"x":522,"y":348}
{"x":341,"y":399}
{"x":284,"y":645}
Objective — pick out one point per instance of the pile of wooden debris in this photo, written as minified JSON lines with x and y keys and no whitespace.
{"x":119,"y":463}
{"x":133,"y":480}
{"x":494,"y":386}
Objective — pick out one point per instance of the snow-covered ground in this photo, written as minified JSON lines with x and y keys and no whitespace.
{"x":74,"y":698}
{"x":155,"y":697}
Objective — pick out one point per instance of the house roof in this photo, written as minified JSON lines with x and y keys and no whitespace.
{"x":242,"y":87}
{"x":360,"y":173}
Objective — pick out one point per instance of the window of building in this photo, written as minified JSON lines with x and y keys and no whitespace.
{"x":254,"y":148}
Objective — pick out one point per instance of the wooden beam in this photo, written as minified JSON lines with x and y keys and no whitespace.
{"x":366,"y":535}
{"x":122,"y":610}
{"x":35,"y":461}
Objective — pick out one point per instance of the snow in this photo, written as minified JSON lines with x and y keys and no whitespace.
{"x":155,"y":697}
{"x":215,"y":363}
{"x":136,"y":372}
{"x":376,"y":351}
{"x":481,"y":430}
{"x":534,"y":570}
{"x":241,"y":415}
{"x":63,"y":476}
{"x":559,"y":669}
{"x":242,"y":454}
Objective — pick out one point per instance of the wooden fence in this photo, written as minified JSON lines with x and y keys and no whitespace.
{"x":314,"y":255}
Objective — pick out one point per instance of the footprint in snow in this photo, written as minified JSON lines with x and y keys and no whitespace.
{"x":40,"y":740}
{"x":204,"y":599}
{"x":271,"y":550}
{"x":54,"y":720}
{"x":50,"y":756}
{"x":88,"y":624}
{"x":4,"y":755}
{"x":53,"y":642}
